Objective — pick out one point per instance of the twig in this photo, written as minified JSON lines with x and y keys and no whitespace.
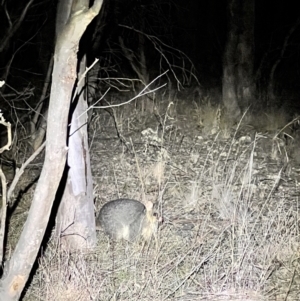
{"x":20,"y":171}
{"x":82,"y":77}
{"x":8,"y":127}
{"x":4,"y":187}
{"x":142,"y":93}
{"x":3,"y":214}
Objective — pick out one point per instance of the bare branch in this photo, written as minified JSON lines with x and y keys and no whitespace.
{"x":3,"y":212}
{"x":157,"y":44}
{"x":10,"y":33}
{"x":283,"y":49}
{"x":8,"y":127}
{"x":20,"y":171}
{"x":4,"y":187}
{"x":142,"y":93}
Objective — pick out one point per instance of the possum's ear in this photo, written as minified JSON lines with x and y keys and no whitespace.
{"x":149,"y":205}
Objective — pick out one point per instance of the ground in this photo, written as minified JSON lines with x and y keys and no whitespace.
{"x":227,"y":193}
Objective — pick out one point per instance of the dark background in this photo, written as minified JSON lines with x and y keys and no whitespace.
{"x":197,"y":28}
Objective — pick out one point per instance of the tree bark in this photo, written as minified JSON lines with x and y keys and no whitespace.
{"x":75,"y":219}
{"x":18,"y":268}
{"x":238,"y":87}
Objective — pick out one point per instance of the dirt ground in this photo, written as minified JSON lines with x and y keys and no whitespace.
{"x":228,"y":195}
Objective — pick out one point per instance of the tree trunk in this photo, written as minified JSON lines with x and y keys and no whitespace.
{"x":229,"y":91}
{"x":245,"y":54}
{"x":238,"y":80}
{"x":18,"y":268}
{"x":75,"y":219}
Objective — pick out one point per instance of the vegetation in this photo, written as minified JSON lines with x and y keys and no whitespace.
{"x":126,"y":115}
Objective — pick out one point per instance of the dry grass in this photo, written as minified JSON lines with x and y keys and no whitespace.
{"x":271,"y":120}
{"x":231,"y":221}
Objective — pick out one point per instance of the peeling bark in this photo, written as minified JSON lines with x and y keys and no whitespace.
{"x":75,"y":218}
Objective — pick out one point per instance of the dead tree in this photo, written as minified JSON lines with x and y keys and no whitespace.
{"x":75,"y":219}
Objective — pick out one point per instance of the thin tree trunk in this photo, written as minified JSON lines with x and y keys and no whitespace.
{"x":229,"y":92}
{"x":18,"y":268}
{"x":271,"y":84}
{"x":245,"y":56}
